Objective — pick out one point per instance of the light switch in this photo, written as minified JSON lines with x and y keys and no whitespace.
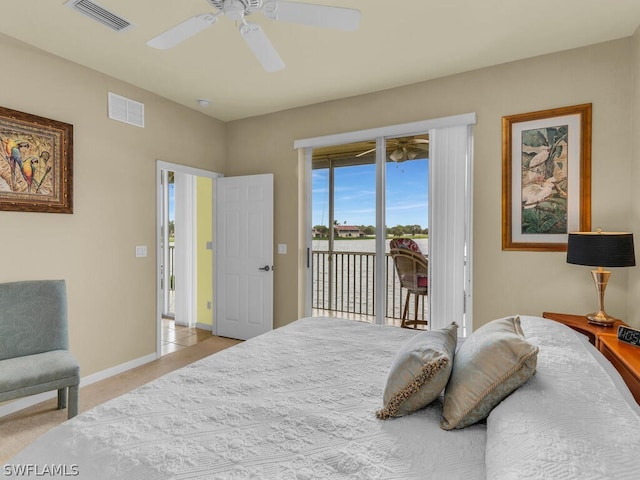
{"x":282,"y":248}
{"x":141,"y":251}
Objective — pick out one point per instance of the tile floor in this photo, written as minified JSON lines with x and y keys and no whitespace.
{"x":176,"y":337}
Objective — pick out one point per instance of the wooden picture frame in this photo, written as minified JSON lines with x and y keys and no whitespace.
{"x":546,"y":178}
{"x":36,"y":163}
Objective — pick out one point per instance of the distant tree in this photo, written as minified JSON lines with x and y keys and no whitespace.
{"x":397,"y":231}
{"x":323,"y":230}
{"x":400,"y":230}
{"x":412,"y":229}
{"x":368,"y":229}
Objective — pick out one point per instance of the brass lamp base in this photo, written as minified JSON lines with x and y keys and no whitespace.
{"x":600,"y":278}
{"x":601,"y":318}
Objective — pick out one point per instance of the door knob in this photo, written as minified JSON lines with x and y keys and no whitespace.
{"x":265,"y":268}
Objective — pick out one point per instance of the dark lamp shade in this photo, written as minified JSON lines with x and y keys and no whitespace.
{"x":601,"y":249}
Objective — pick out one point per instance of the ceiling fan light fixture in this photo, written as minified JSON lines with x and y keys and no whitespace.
{"x":397,"y":155}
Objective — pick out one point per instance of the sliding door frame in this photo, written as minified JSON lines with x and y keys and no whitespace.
{"x":305,"y":149}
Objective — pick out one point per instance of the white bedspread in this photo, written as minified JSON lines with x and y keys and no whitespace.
{"x":570,"y":420}
{"x":297,"y":403}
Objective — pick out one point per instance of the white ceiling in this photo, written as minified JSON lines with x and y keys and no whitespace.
{"x":398,"y":43}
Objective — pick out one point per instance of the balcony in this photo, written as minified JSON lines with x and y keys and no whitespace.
{"x":344,"y":285}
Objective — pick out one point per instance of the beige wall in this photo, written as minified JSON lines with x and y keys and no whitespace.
{"x":111,"y":293}
{"x":634,"y":224}
{"x":504,"y":282}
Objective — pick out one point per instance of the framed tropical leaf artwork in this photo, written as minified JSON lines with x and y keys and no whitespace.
{"x":36,"y":163}
{"x":546,"y":178}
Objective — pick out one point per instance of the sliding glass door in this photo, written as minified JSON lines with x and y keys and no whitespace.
{"x":407,"y":224}
{"x":344,"y":226}
{"x":343,"y":219}
{"x":422,"y":193}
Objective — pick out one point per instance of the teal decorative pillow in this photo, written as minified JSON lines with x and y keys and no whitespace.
{"x":491,"y":363}
{"x":419,"y":372}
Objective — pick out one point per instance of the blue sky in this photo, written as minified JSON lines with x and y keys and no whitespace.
{"x":355,"y":188}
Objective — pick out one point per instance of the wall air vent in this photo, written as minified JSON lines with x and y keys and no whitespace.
{"x":100,"y":14}
{"x":126,"y":110}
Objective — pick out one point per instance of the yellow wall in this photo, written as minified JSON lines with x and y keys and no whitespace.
{"x":204,"y":209}
{"x":111,"y":294}
{"x":504,"y":282}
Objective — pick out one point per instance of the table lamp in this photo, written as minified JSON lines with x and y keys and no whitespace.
{"x":601,"y":249}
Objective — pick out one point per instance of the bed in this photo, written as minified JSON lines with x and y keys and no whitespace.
{"x":299,"y":403}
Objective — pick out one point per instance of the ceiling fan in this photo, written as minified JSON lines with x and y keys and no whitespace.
{"x":346,"y":19}
{"x":406,"y":148}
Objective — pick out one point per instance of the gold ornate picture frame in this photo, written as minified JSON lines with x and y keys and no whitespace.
{"x":36,"y":163}
{"x":546,"y":177}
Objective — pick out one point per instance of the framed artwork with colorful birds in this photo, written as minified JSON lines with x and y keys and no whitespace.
{"x":36,"y":163}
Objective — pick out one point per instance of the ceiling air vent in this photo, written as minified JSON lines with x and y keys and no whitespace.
{"x":100,"y":14}
{"x":126,"y":110}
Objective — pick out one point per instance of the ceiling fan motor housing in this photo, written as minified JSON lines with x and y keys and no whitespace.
{"x":237,"y":8}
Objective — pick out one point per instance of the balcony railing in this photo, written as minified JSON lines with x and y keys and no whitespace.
{"x":345,"y":282}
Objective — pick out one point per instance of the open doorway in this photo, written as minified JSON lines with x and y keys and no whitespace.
{"x":184,"y":256}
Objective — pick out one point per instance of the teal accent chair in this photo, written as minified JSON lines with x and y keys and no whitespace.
{"x":34,"y":342}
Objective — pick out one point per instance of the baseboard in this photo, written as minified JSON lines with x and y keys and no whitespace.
{"x":204,"y":326}
{"x":25,"y":402}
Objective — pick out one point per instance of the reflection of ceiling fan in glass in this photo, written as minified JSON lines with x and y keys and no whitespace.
{"x":405,"y":148}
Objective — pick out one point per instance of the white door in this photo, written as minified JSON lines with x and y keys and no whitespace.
{"x":244,"y":256}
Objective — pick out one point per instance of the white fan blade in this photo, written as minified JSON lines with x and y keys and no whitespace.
{"x":182,"y":31}
{"x":261,"y":47}
{"x":310,"y":14}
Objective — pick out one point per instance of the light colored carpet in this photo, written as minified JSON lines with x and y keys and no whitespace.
{"x":23,"y":427}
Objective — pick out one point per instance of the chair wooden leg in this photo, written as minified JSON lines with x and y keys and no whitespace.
{"x":415,"y":312}
{"x":406,"y":311}
{"x":62,"y":398}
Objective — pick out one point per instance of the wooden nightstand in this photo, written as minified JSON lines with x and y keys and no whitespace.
{"x":626,"y":359}
{"x":580,"y":324}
